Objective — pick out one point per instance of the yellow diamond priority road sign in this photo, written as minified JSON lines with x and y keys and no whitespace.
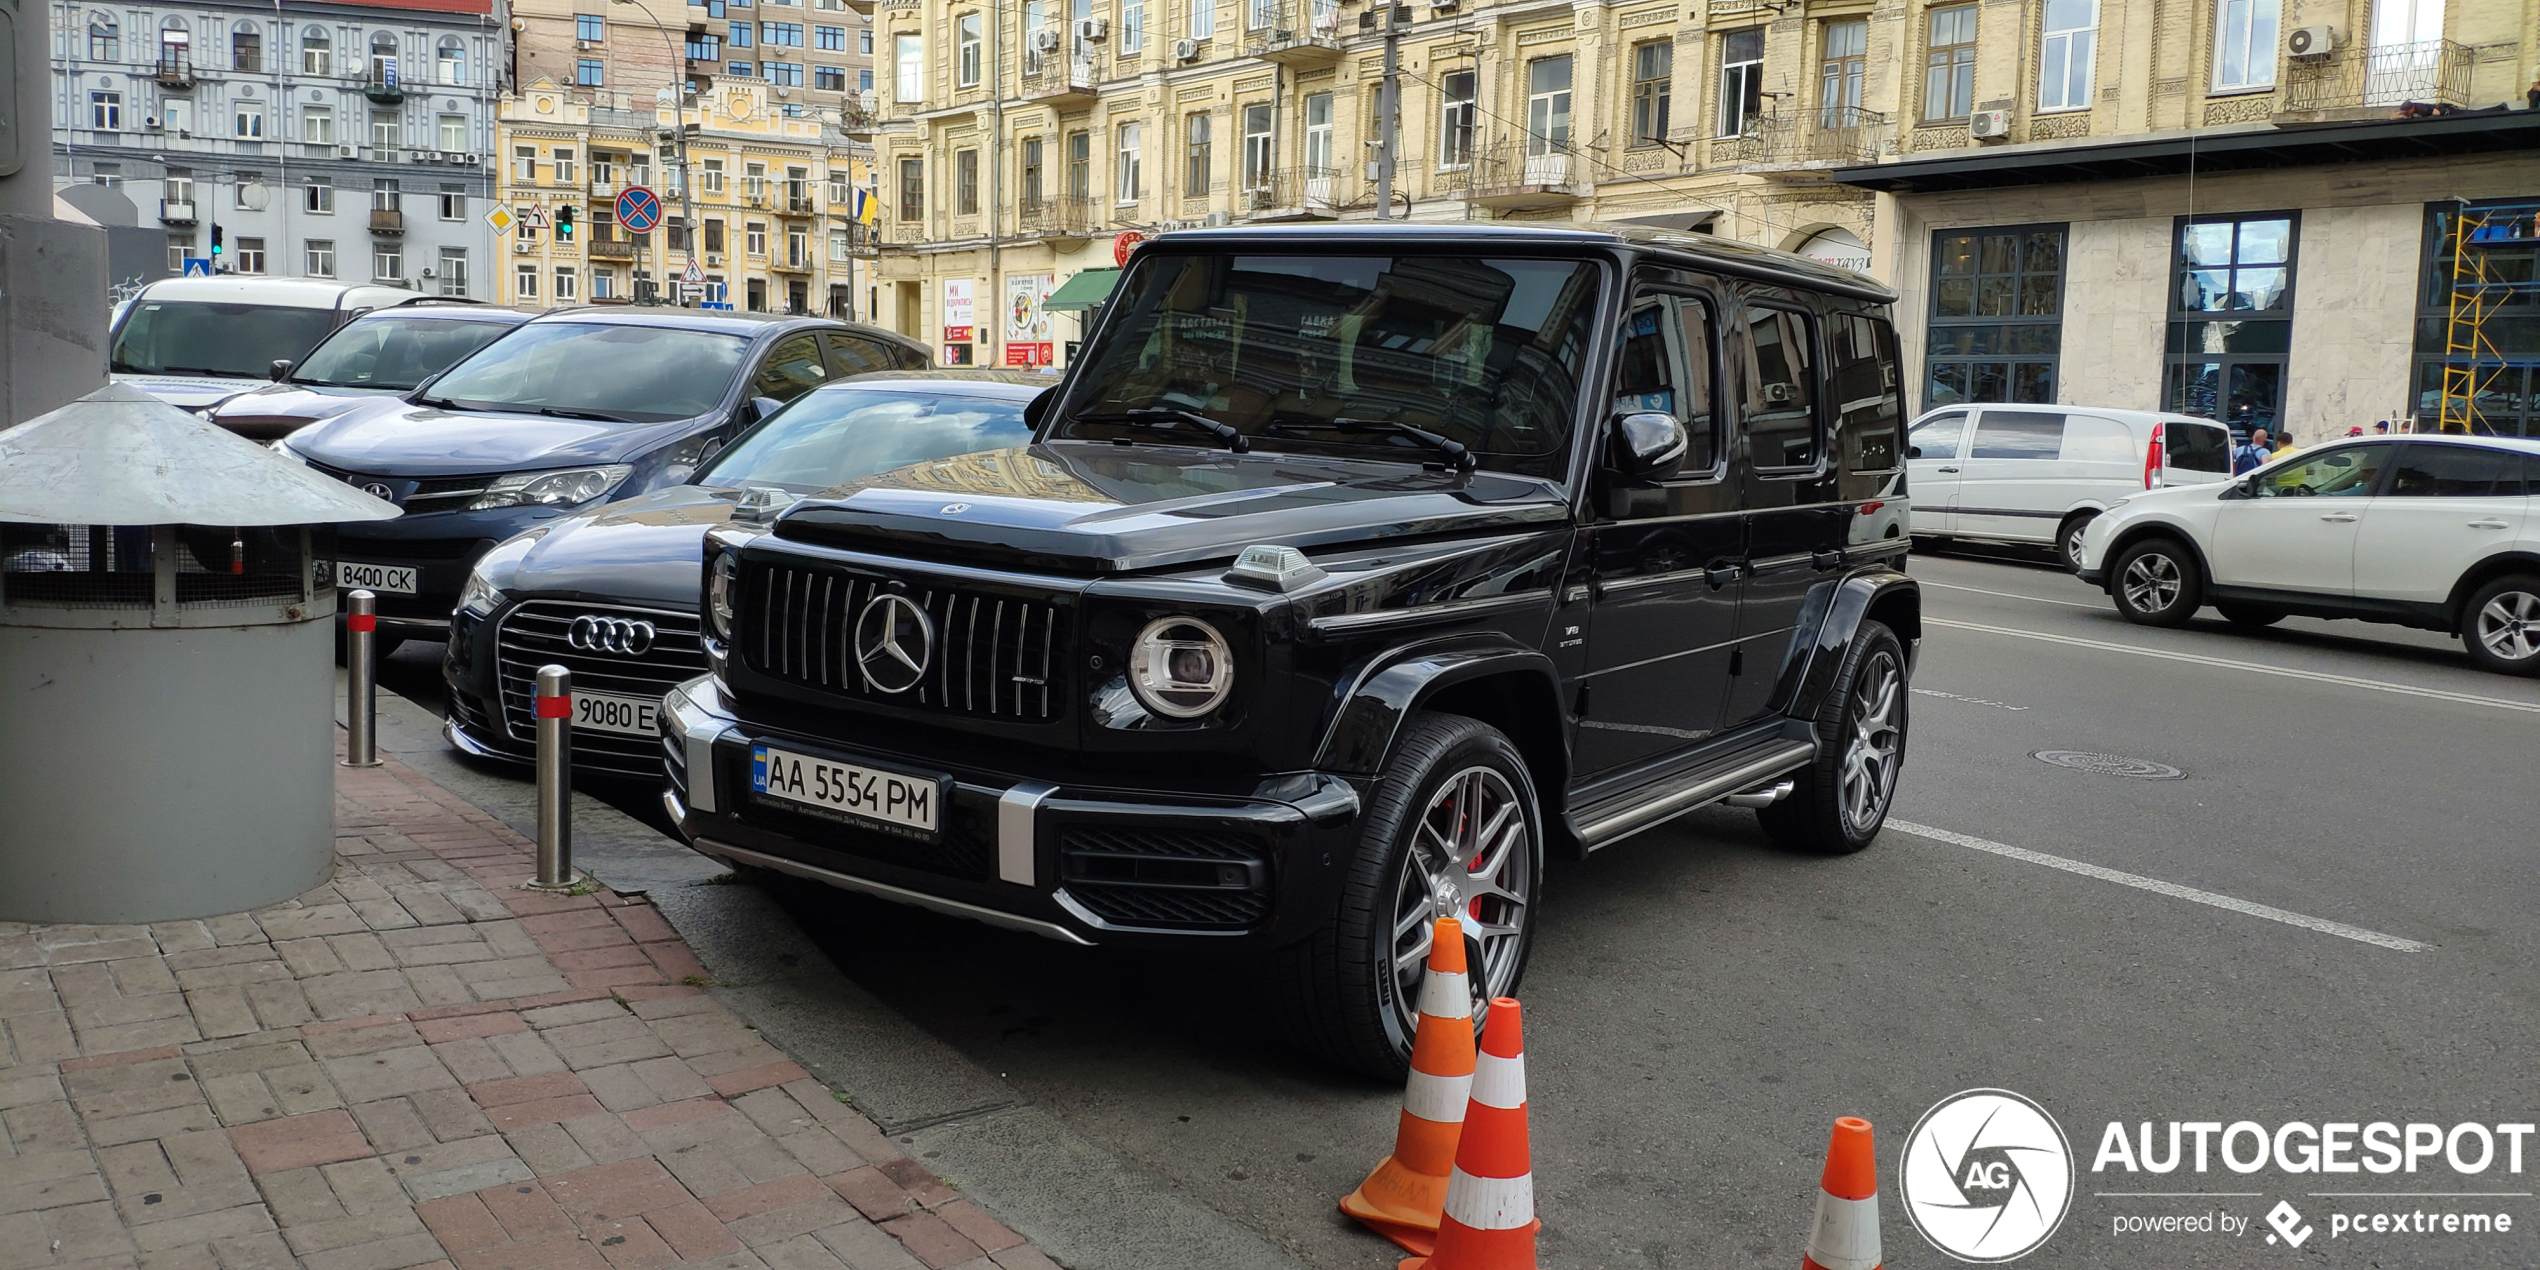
{"x":501,"y":219}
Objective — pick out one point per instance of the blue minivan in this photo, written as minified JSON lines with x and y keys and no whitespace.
{"x":568,"y":409}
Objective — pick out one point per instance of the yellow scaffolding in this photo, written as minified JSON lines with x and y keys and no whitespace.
{"x":2471,"y":360}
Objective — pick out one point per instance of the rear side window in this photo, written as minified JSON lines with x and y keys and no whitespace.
{"x":1666,"y":368}
{"x":2019,"y":434}
{"x":911,"y":358}
{"x":853,"y":355}
{"x":1861,"y":352}
{"x":2197,"y":447}
{"x":2456,"y":471}
{"x":2091,"y":439}
{"x":1937,"y":437}
{"x":1781,"y":389}
{"x":792,"y":368}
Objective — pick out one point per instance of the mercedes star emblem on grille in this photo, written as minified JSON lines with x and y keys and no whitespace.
{"x":894,"y":640}
{"x":625,"y":637}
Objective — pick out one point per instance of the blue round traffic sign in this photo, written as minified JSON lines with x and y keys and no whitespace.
{"x":638,"y":210}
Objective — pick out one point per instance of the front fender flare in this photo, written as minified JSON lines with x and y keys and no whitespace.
{"x":1827,"y":630}
{"x":1389,"y":687}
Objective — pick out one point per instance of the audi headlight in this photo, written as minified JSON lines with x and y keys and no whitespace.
{"x":721,"y":582}
{"x":569,"y":487}
{"x":479,"y":595}
{"x":1181,"y":668}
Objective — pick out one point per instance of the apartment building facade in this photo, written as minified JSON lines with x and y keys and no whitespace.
{"x":339,"y":139}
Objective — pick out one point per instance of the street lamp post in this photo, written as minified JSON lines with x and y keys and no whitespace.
{"x":679,"y":130}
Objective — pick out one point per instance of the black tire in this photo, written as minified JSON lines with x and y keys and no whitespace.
{"x":1340,"y":988}
{"x":1838,"y":802}
{"x":2166,"y":590}
{"x":2068,"y":539}
{"x":2250,"y":615}
{"x":2501,"y":625}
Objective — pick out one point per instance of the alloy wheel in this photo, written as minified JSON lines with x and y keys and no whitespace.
{"x":2509,"y":626}
{"x":2072,"y":543}
{"x":2151,"y":582}
{"x":1877,"y":742}
{"x":1471,"y":858}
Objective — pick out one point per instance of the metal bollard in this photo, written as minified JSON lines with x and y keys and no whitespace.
{"x":361,"y":680}
{"x":555,"y":780}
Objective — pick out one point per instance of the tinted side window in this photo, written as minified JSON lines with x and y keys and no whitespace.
{"x":2018,"y":434}
{"x":1781,"y":389}
{"x":1666,"y":368}
{"x":2456,"y":471}
{"x":1937,"y":437}
{"x":911,"y":358}
{"x":792,"y":368}
{"x":851,"y":355}
{"x":2197,"y":447}
{"x":1861,"y":357}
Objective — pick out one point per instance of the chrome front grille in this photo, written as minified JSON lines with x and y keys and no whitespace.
{"x":991,"y":655}
{"x":534,"y":634}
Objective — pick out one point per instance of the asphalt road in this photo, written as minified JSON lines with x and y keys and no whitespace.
{"x":2326,"y":918}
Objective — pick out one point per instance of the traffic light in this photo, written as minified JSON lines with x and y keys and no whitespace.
{"x":216,"y":241}
{"x":564,"y":224}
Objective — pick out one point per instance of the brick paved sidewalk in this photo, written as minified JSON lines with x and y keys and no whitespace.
{"x":419,"y":1064}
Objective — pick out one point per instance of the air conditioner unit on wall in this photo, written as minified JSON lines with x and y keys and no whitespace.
{"x":1046,"y":41}
{"x":522,"y":246}
{"x":348,"y":152}
{"x":1093,"y":30}
{"x":1989,"y":125}
{"x":1186,"y":50}
{"x":2310,"y":43}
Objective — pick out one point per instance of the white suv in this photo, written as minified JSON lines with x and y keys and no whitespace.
{"x":2436,"y":532}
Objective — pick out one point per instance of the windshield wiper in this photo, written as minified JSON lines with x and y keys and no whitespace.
{"x":1168,"y":416}
{"x":1454,"y":450}
{"x":568,"y":412}
{"x":193,"y":370}
{"x":437,"y":403}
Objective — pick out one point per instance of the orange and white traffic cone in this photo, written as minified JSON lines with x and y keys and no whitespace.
{"x":1846,"y":1233}
{"x":1401,"y":1200}
{"x":1489,"y":1223}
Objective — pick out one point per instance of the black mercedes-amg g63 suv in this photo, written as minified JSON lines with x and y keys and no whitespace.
{"x":1353,"y":570}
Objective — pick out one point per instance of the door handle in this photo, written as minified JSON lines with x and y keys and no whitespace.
{"x":1823,"y":560}
{"x":2343,"y":518}
{"x":1720,"y":575}
{"x":2489,"y":524}
{"x":1944,"y":469}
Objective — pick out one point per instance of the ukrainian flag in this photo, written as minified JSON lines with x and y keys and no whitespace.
{"x":868,"y":209}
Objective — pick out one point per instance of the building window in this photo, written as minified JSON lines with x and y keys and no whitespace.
{"x":251,"y":255}
{"x":908,"y":68}
{"x":742,"y":34}
{"x":829,"y":78}
{"x":178,"y":114}
{"x":568,"y":283}
{"x":525,"y":282}
{"x":383,"y":136}
{"x":1259,"y":14}
{"x":1257,"y":152}
{"x":180,"y":250}
{"x":797,"y":246}
{"x":710,"y":177}
{"x":1035,"y":182}
{"x":105,"y":40}
{"x":1653,"y":87}
{"x":387,"y":262}
{"x":454,"y":133}
{"x":1455,"y":118}
{"x":2487,"y":385}
{"x":2231,"y":318}
{"x":965,"y":183}
{"x":1839,"y":73}
{"x":754,"y":182}
{"x":175,"y":45}
{"x":604,"y":284}
{"x":830,"y":38}
{"x":385,"y":195}
{"x":590,"y":26}
{"x":589,"y":72}
{"x":754,"y":237}
{"x":105,"y":111}
{"x":1127,"y":170}
{"x":966,"y":50}
{"x":1548,"y":120}
{"x":2067,"y":54}
{"x":704,"y":47}
{"x":318,"y":195}
{"x":1949,"y":63}
{"x":1997,"y":305}
{"x":247,"y":53}
{"x":1195,"y":165}
{"x":864,"y":41}
{"x":1080,"y":168}
{"x":454,"y":271}
{"x":1203,"y":19}
{"x":741,"y":69}
{"x":525,"y":165}
{"x":781,"y":35}
{"x":179,"y":186}
{"x":1133,"y":25}
{"x":566,"y":172}
{"x":247,"y":121}
{"x":1741,"y":81}
{"x":2244,"y":44}
{"x":785,"y":75}
{"x":454,"y":202}
{"x":449,"y":63}
{"x":383,"y":58}
{"x":317,"y":52}
{"x":317,"y":125}
{"x":321,"y":257}
{"x":714,"y":236}
{"x":1318,"y":148}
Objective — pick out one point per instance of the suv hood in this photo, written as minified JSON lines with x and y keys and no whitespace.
{"x":188,"y":392}
{"x":644,"y":550}
{"x":280,"y":409}
{"x":1097,"y":507}
{"x":412,"y":440}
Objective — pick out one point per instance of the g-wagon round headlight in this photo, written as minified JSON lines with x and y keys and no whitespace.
{"x":721,"y":581}
{"x":1181,"y":668}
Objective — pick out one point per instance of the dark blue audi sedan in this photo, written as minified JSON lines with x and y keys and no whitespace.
{"x":572,"y":408}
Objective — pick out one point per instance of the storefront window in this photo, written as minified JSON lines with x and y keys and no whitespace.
{"x":2478,"y":320}
{"x":1997,"y":308}
{"x":2231,"y":319}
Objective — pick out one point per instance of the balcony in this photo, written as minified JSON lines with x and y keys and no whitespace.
{"x":603,"y":190}
{"x":384,"y":92}
{"x":176,"y":70}
{"x":1062,"y":82}
{"x":2372,"y":83}
{"x":176,"y":212}
{"x":1805,"y":147}
{"x":1300,"y":193}
{"x":1293,"y":32}
{"x":387,"y":222}
{"x":789,"y":264}
{"x":799,"y":202}
{"x":612,"y":249}
{"x":1515,"y":175}
{"x":1057,"y":220}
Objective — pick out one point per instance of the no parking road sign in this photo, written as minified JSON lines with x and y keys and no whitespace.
{"x":638,"y":210}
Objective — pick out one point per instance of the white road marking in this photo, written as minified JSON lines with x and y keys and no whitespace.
{"x":2177,"y":1194}
{"x":2159,"y":887}
{"x":1973,"y":701}
{"x":2014,"y":595}
{"x":2255,"y":668}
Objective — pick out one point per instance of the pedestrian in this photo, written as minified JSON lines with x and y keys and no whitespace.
{"x":2283,"y":443}
{"x":2248,"y":457}
{"x":2356,"y":431}
{"x":2382,"y":428}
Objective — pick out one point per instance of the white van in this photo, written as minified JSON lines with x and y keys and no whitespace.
{"x":196,"y":342}
{"x":2039,"y":474}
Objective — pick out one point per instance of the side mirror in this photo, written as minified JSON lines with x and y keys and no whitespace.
{"x":1647,"y":447}
{"x":757,"y":408}
{"x":280,"y":370}
{"x":1038,"y":408}
{"x":1913,"y":451}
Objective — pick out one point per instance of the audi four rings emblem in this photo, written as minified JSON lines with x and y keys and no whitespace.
{"x":623,"y":636}
{"x":894,"y":639}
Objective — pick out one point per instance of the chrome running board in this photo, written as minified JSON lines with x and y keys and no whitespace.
{"x":1698,"y":791}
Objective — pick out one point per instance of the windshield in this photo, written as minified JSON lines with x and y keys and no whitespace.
{"x":1485,"y":353}
{"x":392,"y":352}
{"x":200,"y":337}
{"x":631,"y":374}
{"x":835,"y":435}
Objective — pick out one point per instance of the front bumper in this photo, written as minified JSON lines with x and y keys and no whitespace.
{"x":1086,"y":865}
{"x":2095,"y":577}
{"x":491,"y":661}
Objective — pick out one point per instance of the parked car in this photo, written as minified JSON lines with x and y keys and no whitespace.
{"x":612,"y":591}
{"x":196,"y":342}
{"x":380,"y":354}
{"x":573,"y":407}
{"x":1354,"y":570}
{"x":2435,"y":532}
{"x":2039,"y":474}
